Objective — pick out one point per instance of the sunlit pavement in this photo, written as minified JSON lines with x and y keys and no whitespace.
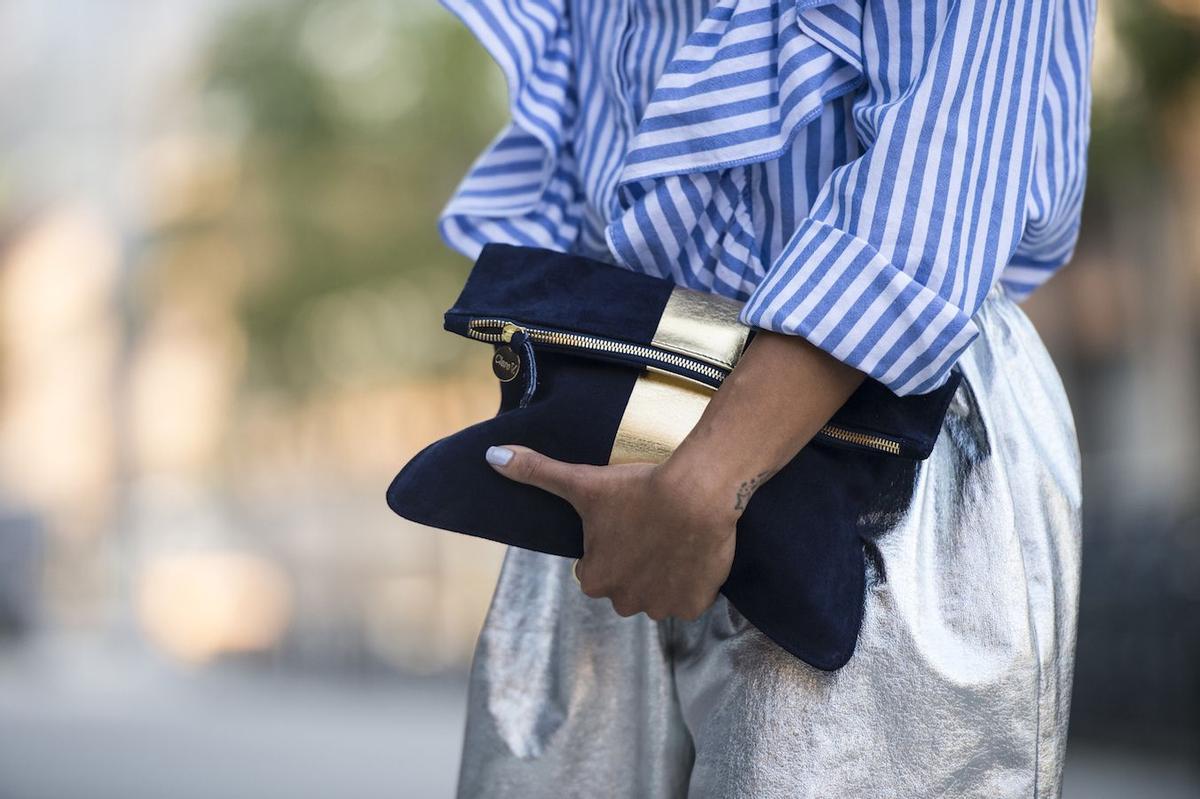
{"x":88,"y":721}
{"x":101,"y":723}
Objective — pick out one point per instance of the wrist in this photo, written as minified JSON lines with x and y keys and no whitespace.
{"x":714,"y":482}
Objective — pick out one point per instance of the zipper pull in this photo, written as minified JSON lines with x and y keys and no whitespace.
{"x":518,"y":339}
{"x":513,"y":348}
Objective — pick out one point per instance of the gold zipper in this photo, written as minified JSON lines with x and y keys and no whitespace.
{"x":505,"y":329}
{"x":861,"y":439}
{"x":538,"y":335}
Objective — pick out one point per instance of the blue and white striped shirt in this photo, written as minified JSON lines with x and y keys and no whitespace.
{"x":860,"y":172}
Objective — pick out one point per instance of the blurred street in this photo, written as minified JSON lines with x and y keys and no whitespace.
{"x":81,"y":720}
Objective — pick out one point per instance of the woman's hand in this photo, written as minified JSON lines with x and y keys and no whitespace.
{"x":654,"y":541}
{"x":660,"y":539}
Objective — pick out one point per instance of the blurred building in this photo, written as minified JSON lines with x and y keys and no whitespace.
{"x":220,"y":327}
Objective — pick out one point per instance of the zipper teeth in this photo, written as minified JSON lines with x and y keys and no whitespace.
{"x":479,"y":335}
{"x":862,"y":439}
{"x":597,"y":344}
{"x":576,"y":340}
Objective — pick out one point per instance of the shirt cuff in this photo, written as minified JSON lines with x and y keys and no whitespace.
{"x":837,"y":291}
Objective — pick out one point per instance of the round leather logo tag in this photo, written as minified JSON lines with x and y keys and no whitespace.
{"x":506,"y":364}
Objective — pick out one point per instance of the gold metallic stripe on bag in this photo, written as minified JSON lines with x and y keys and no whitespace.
{"x":703,"y":326}
{"x":663,"y":408}
{"x":661,"y":411}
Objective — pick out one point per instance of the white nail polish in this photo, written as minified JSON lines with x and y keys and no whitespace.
{"x":498,"y":456}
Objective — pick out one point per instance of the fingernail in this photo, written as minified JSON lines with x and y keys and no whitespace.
{"x":498,"y":456}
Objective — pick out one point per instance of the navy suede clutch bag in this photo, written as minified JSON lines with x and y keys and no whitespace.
{"x":600,"y":365}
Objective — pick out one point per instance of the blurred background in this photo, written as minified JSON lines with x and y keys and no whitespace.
{"x":220,"y":336}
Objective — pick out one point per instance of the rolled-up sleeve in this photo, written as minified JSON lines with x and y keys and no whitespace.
{"x":903,"y":243}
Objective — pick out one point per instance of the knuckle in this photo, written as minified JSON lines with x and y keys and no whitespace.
{"x":623,"y":607}
{"x":591,"y":588}
{"x":592,"y":583}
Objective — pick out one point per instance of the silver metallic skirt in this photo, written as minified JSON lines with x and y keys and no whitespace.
{"x":959,"y":687}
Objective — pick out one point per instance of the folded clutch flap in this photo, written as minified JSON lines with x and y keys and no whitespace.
{"x":553,"y":290}
{"x":583,"y":297}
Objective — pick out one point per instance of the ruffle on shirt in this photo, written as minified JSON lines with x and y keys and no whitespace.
{"x":746,"y":81}
{"x":524,"y":188}
{"x":750,"y":77}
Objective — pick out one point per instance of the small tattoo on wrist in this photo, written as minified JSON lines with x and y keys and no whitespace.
{"x":748,"y":487}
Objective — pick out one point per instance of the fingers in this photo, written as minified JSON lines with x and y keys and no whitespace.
{"x":587,"y":583}
{"x":670,"y":581}
{"x":567,"y":480}
{"x":626,"y":606}
{"x":627,"y":602}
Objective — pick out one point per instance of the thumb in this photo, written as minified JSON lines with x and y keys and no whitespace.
{"x":523,"y":465}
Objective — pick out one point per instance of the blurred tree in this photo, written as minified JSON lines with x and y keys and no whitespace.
{"x":1159,"y":61}
{"x":353,"y":121}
